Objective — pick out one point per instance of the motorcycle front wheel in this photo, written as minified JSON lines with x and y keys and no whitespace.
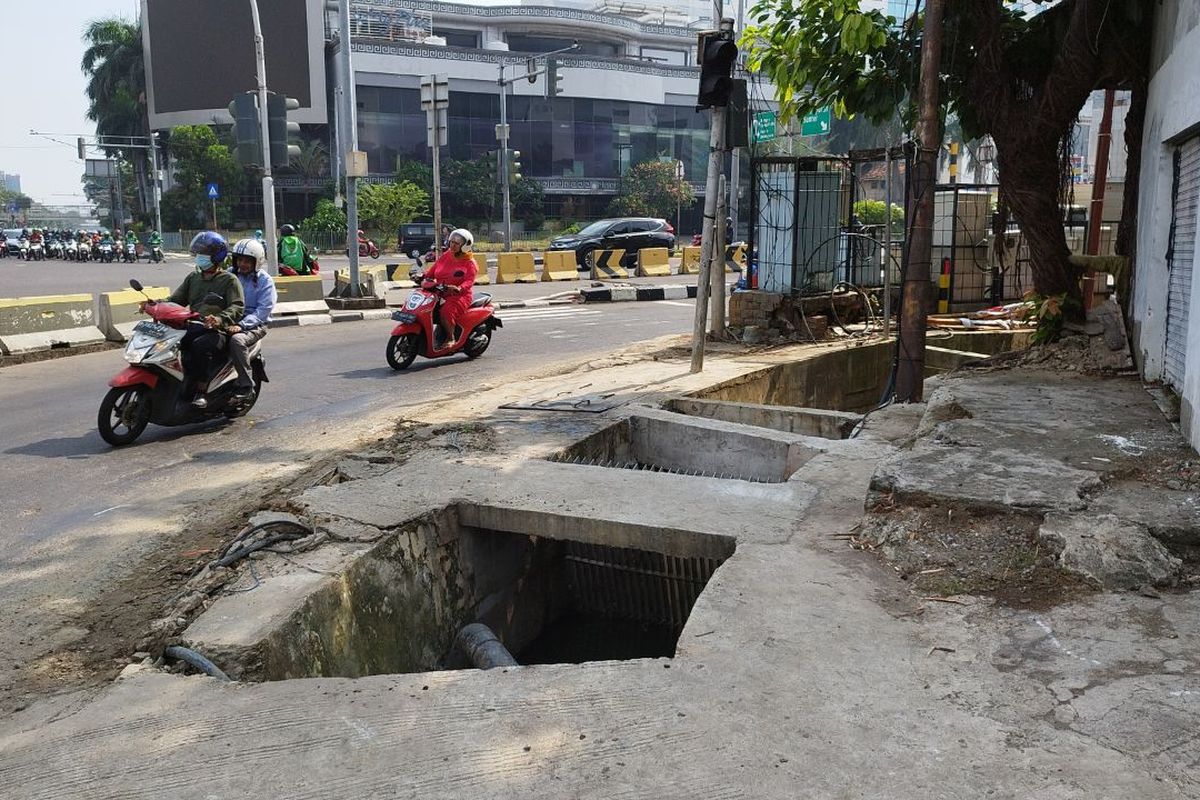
{"x":124,"y":414}
{"x":401,"y":350}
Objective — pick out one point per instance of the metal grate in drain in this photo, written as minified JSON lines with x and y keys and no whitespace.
{"x":639,"y":585}
{"x":644,"y":467}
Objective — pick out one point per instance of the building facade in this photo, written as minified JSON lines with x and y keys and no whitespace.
{"x":1165,"y":308}
{"x":10,"y":181}
{"x":626,"y":93}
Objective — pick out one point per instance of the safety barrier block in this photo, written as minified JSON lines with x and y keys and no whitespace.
{"x":300,"y":294}
{"x":735,"y":257}
{"x":606,"y":265}
{"x":653,"y":262}
{"x":481,"y":275}
{"x":41,"y":323}
{"x":690,"y":263}
{"x":515,"y":268}
{"x":559,"y":265}
{"x":118,"y":311}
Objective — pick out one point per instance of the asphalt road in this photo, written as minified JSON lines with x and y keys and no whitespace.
{"x":75,"y":512}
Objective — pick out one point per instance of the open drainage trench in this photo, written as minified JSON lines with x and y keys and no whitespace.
{"x":610,"y":591}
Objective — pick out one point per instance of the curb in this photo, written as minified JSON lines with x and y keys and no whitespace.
{"x":628,"y":293}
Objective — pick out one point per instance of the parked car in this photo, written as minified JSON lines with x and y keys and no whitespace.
{"x":630,"y":234}
{"x":416,"y":238}
{"x":12,"y":240}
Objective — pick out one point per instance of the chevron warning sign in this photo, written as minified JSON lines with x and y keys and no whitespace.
{"x":606,"y":265}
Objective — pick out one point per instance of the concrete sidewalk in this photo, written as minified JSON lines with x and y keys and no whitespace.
{"x":806,"y":669}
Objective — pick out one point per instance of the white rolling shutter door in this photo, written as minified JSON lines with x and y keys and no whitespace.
{"x":1185,"y":207}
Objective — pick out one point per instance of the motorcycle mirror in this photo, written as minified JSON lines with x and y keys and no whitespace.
{"x":135,"y":284}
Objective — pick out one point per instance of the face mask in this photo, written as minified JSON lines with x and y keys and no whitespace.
{"x":203,"y":263}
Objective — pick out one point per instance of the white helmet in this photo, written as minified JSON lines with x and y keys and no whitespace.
{"x":467,"y":239}
{"x":252,"y":248}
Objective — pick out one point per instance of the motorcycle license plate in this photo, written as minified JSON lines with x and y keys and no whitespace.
{"x":403,"y":316}
{"x":155,"y":329}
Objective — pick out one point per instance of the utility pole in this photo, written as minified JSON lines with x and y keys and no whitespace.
{"x":715,"y":70}
{"x":735,"y":161}
{"x":1100,"y":178}
{"x":887,"y":242}
{"x":502,"y":135}
{"x":268,"y":182}
{"x":157,"y":181}
{"x":435,"y":99}
{"x":349,"y":144}
{"x":910,"y":374}
{"x":716,"y":313}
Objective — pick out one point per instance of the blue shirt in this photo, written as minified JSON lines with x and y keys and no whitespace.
{"x":260,"y":297}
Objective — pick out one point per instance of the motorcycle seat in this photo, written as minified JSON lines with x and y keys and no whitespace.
{"x":481,"y":300}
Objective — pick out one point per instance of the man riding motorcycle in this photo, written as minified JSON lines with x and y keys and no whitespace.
{"x":206,"y":337}
{"x":258,"y":289}
{"x":456,"y":270}
{"x":293,"y":253}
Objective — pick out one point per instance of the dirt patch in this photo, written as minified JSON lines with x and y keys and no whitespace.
{"x":943,"y":552}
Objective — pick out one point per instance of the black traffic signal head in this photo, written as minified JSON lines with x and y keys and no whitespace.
{"x":717,"y":56}
{"x":244,"y":110}
{"x":280,"y":129}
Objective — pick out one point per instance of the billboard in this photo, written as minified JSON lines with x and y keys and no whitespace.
{"x":200,"y":54}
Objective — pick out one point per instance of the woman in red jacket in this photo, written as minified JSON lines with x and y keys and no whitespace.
{"x":456,"y":270}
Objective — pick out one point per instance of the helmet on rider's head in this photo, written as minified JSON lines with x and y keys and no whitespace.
{"x":464,"y":236}
{"x":258,"y":234}
{"x":287,"y":230}
{"x":360,"y":233}
{"x":250,"y":248}
{"x":211,"y":244}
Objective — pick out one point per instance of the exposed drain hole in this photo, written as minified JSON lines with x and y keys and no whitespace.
{"x":398,"y":607}
{"x":563,"y":458}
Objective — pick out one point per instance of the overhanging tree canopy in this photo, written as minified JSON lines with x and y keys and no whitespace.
{"x":1020,"y":78}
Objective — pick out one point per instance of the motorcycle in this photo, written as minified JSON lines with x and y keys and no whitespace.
{"x":155,"y":254}
{"x":36,"y":252}
{"x":54,"y":249}
{"x":23,"y":249}
{"x":70,"y":252}
{"x":129,"y":254}
{"x":150,"y":389}
{"x":83,"y":252}
{"x":104,"y":252}
{"x":414,"y":331}
{"x":367,"y":247}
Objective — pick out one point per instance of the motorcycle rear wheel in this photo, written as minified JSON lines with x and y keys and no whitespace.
{"x":478,"y":341}
{"x":401,"y":350}
{"x":124,"y":414}
{"x":244,"y":410}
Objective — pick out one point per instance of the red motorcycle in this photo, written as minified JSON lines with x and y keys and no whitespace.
{"x":151,"y":388}
{"x":367,"y":247}
{"x":415,"y":323}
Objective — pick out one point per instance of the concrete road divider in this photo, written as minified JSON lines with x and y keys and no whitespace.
{"x":40,"y":323}
{"x":690,"y":264}
{"x":559,"y":265}
{"x":653,"y":262}
{"x":300,"y":294}
{"x":481,"y":274}
{"x":606,"y":265}
{"x":623,"y":293}
{"x":118,"y":311}
{"x":515,"y":268}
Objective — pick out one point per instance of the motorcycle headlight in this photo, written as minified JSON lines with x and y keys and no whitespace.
{"x":161,"y":352}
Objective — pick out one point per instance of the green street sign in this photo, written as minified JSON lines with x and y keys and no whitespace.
{"x":817,"y":123}
{"x":762,"y":127}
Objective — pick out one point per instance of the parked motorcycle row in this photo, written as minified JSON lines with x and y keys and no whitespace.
{"x":75,"y":246}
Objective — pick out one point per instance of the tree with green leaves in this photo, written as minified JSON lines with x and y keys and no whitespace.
{"x":387,"y":206}
{"x":1022,"y":78}
{"x":200,"y":158}
{"x":116,"y":93}
{"x":325,"y":217}
{"x":651,"y":189}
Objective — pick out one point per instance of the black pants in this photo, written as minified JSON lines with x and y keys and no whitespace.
{"x":199,"y":349}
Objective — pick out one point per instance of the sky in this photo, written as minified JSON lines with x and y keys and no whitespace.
{"x":46,"y":92}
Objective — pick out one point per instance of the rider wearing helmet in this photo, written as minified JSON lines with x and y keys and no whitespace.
{"x":205,"y":337}
{"x":258,"y":236}
{"x":456,"y":270}
{"x":293,"y":253}
{"x":258,"y":289}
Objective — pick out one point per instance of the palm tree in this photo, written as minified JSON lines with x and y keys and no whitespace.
{"x":312,"y":161}
{"x":116,"y":90}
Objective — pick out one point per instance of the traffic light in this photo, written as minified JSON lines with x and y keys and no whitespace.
{"x":717,"y":55}
{"x":246,"y":130}
{"x":553,"y":79}
{"x":280,"y":130}
{"x":514,"y":166}
{"x":82,"y":148}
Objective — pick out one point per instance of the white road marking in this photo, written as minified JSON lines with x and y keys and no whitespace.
{"x":675,"y":303}
{"x":114,"y":508}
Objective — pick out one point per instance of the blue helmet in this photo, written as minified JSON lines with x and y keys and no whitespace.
{"x":211,"y":244}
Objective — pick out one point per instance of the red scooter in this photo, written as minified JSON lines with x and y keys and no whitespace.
{"x":415,"y":323}
{"x":150,"y":389}
{"x":367,"y":247}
